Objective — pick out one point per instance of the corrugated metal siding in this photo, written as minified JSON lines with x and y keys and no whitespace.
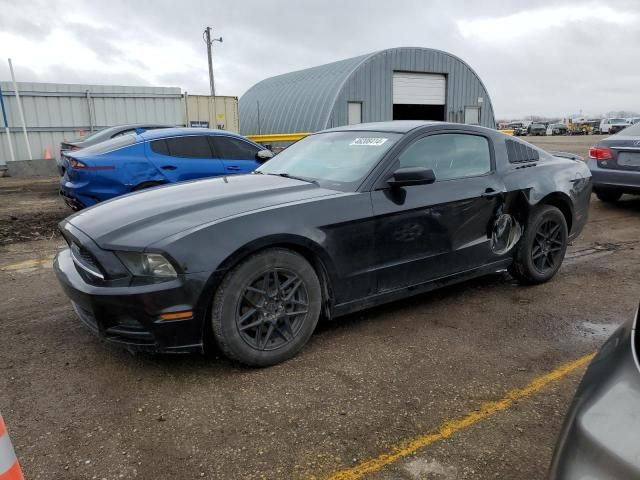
{"x":317,"y":98}
{"x":55,"y":112}
{"x":223,"y":114}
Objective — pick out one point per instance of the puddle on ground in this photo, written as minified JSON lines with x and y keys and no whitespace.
{"x":596,"y":329}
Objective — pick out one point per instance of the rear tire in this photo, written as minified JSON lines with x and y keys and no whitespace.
{"x":541,"y":249}
{"x":608,"y":196}
{"x":266,"y":308}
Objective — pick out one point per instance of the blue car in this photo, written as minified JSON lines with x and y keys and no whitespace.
{"x":137,"y":161}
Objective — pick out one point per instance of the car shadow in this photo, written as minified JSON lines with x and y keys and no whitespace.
{"x":215,"y":364}
{"x":397,"y":306}
{"x":626,"y":203}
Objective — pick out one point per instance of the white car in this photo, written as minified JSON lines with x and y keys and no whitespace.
{"x":613,"y":125}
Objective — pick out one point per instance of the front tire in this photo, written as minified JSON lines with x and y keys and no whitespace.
{"x":608,"y":196}
{"x":541,"y":249}
{"x":267,"y":308}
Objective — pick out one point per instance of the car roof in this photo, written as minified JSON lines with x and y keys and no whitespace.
{"x":180,"y":131}
{"x":406,"y":126}
{"x":394,"y":126}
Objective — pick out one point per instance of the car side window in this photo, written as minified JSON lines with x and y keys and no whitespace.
{"x":449,"y":155}
{"x":191,"y":146}
{"x":159,"y":146}
{"x":228,"y":148}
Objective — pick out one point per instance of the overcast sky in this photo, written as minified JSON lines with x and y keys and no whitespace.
{"x":534,"y":56}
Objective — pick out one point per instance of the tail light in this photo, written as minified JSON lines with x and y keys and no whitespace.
{"x":600,"y":153}
{"x":77,"y":164}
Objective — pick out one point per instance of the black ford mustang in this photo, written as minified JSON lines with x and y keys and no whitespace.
{"x":344,"y":219}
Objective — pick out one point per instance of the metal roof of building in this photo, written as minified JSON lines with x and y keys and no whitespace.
{"x":311,"y":92}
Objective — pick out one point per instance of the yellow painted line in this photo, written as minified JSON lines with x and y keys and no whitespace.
{"x":452,"y":426}
{"x":278,"y":137}
{"x":508,"y":131}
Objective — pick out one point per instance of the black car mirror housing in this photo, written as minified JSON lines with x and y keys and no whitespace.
{"x":408,"y":176}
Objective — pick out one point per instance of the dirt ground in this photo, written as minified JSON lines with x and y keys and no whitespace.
{"x":79,"y":409}
{"x":30,"y":209}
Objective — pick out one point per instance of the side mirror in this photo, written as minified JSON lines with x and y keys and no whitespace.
{"x":408,"y":176}
{"x":264,"y":155}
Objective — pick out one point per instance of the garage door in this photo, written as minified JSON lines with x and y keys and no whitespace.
{"x":419,"y":88}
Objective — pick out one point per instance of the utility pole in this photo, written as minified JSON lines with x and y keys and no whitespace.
{"x":209,"y":41}
{"x":20,"y":111}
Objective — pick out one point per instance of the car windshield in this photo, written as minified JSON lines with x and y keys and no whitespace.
{"x":537,"y":125}
{"x":617,"y":121}
{"x":336,"y":160}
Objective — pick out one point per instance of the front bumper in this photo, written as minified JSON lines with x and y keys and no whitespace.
{"x":626,"y":181}
{"x":130,"y":315}
{"x":600,"y":435}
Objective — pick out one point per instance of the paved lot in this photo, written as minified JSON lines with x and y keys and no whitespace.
{"x":365,"y":386}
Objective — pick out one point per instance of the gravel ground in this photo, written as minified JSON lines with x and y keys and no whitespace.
{"x":79,"y":409}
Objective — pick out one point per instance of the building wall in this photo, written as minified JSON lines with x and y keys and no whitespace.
{"x":316,"y":98}
{"x":372,"y":84}
{"x":55,"y":112}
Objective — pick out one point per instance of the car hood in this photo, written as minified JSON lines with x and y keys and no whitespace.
{"x":139,"y":219}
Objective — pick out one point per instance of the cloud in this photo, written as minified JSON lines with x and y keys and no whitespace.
{"x":538,"y":57}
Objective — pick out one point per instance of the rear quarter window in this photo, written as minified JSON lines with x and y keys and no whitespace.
{"x":518,"y":152}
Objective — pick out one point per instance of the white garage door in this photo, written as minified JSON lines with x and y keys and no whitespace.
{"x":419,"y":88}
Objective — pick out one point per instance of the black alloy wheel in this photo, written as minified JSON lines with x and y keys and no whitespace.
{"x":272,"y":309}
{"x":541,"y":249}
{"x":266,"y":308}
{"x":547,"y":246}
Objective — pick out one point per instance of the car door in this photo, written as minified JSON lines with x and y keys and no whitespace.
{"x":237,"y":155}
{"x":184,"y":158}
{"x":425,"y":232}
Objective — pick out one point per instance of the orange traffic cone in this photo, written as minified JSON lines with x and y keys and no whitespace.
{"x":9,"y":466}
{"x":47,"y":154}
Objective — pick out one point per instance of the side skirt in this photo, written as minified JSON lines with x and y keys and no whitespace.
{"x":405,"y":292}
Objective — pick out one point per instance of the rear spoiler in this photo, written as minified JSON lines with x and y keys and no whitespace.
{"x":569,"y":155}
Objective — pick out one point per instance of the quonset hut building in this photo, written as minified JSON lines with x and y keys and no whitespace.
{"x":394,"y":84}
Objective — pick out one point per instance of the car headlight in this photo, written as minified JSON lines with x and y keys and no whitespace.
{"x":147,"y":264}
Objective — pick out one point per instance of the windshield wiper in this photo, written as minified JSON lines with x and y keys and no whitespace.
{"x":295,"y":177}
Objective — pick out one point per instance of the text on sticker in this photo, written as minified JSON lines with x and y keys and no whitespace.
{"x":374,"y":142}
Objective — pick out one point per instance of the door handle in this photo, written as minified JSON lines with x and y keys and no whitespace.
{"x":168,"y":167}
{"x":234,"y":168}
{"x":490,"y":193}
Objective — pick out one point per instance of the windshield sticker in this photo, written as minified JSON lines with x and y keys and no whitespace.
{"x":372,"y":142}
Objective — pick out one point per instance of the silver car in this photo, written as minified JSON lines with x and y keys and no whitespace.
{"x":615,"y":164}
{"x":600,"y":438}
